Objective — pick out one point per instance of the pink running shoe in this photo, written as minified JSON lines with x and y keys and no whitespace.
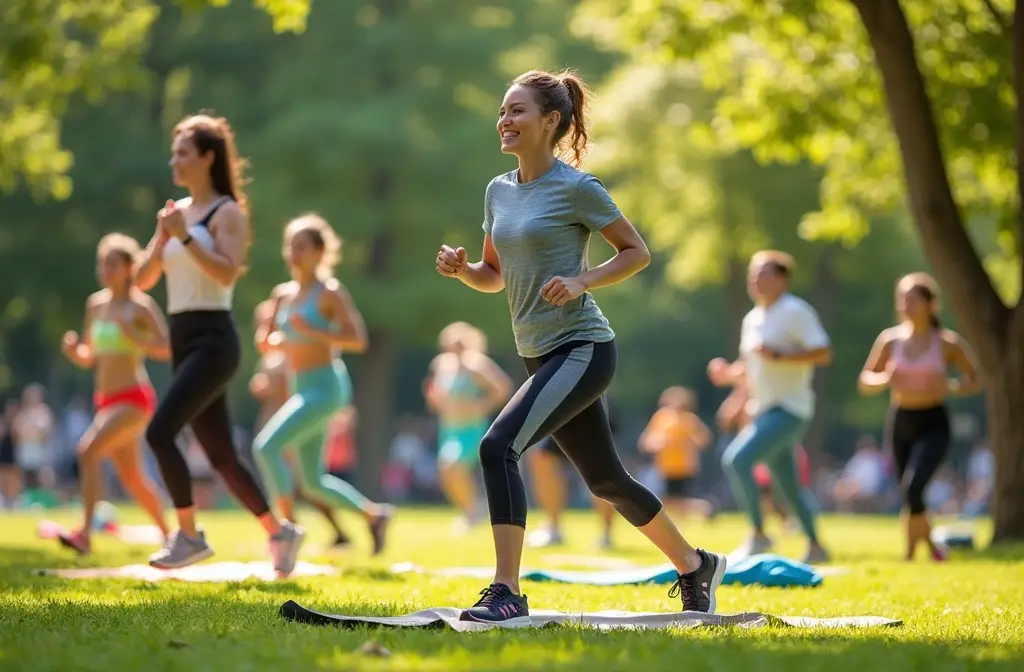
{"x":76,"y":541}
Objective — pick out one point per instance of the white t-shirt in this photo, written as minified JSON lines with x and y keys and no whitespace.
{"x":867,"y":470}
{"x":789,"y":325}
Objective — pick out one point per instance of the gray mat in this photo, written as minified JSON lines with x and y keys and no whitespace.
{"x":447,"y":618}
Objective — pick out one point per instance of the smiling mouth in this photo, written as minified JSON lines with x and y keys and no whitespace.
{"x":508,"y":135}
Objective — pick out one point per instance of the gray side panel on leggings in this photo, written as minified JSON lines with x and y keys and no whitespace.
{"x":553,"y":394}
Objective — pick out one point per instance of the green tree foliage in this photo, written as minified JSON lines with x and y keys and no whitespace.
{"x":868,"y":89}
{"x":53,"y":50}
{"x":794,"y":80}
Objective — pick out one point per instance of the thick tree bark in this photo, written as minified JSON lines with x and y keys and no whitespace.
{"x":1018,"y":87}
{"x":1004,"y":404}
{"x":996,"y":332}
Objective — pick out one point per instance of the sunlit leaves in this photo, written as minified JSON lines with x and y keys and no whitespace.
{"x":797,"y":80}
{"x":701,"y":208}
{"x":52,"y":50}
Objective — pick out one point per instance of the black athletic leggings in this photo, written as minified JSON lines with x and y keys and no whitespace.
{"x":920,"y":436}
{"x":562,"y":397}
{"x":206,"y":353}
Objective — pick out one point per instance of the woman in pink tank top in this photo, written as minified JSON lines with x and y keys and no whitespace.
{"x":912,"y":361}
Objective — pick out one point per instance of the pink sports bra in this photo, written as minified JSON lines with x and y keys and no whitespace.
{"x":917,"y":371}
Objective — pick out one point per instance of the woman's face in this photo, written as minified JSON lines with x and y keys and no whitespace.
{"x":112,"y":269}
{"x":913,"y":305}
{"x":301,"y":254}
{"x":188,"y":166}
{"x":522,"y":126}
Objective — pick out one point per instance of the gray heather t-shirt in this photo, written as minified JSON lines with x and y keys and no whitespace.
{"x":542,"y":229}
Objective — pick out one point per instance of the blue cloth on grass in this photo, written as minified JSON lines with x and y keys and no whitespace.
{"x":765,"y":569}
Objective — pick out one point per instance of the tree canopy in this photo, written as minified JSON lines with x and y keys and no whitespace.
{"x":54,"y":50}
{"x":795,"y":81}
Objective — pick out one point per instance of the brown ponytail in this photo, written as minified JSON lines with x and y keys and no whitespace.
{"x":566,"y":93}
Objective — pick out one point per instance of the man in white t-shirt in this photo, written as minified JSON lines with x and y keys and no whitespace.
{"x":781,"y":343}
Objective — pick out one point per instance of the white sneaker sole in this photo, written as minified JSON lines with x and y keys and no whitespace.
{"x":198,"y":556}
{"x":293,"y":554}
{"x":716,"y":581}
{"x":515,"y":622}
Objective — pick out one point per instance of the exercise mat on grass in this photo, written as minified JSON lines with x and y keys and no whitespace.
{"x":447,"y":618}
{"x":203,"y":572}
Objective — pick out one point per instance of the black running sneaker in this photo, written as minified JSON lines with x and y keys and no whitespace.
{"x":497,"y":604}
{"x":698,"y":587}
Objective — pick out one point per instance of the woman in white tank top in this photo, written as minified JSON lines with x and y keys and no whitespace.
{"x":200,"y":246}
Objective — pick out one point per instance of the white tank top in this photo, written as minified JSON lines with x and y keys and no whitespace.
{"x":188,"y":286}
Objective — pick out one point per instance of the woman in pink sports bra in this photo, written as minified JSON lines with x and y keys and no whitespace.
{"x":912,"y":360}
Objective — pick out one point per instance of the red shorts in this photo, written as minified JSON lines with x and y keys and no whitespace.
{"x":142,"y":396}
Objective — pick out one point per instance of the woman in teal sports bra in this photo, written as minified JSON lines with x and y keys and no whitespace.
{"x":269,"y":386}
{"x":464,"y":387}
{"x":313,"y":319}
{"x":123,"y":326}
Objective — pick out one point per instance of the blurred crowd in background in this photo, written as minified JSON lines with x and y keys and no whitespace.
{"x":38,"y":442}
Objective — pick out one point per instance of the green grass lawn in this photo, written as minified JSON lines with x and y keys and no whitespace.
{"x":965,"y":614}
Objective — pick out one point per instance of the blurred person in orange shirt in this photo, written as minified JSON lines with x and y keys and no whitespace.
{"x":675,"y":436}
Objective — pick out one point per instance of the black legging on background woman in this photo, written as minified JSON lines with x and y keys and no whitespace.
{"x":912,"y":361}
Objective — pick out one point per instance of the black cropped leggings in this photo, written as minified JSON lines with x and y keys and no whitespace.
{"x":920,"y":441}
{"x":205,"y":355}
{"x":563,"y":398}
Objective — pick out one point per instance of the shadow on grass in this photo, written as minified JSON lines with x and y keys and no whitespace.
{"x":193,"y":630}
{"x":374,"y":574}
{"x":1004,"y":553}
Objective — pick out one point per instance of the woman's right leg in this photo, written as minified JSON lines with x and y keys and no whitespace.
{"x":131,"y":472}
{"x":110,"y":429}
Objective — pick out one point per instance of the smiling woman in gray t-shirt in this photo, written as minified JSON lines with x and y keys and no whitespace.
{"x":538,"y":222}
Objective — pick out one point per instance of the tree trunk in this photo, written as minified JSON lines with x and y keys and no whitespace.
{"x":1004,"y":401}
{"x":1018,"y":87}
{"x":373,"y":398}
{"x":996,"y":333}
{"x":971,"y":295}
